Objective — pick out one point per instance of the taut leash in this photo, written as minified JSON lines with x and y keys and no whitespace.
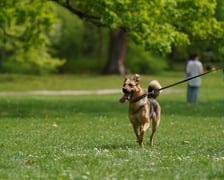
{"x":182,"y":81}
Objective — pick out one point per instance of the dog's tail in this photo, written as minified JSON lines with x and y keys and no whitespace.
{"x":153,"y":89}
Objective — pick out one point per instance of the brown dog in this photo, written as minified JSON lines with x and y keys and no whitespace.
{"x":143,"y":106}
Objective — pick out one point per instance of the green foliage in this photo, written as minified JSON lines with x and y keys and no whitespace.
{"x":67,"y":39}
{"x":28,"y":29}
{"x":210,"y":48}
{"x":219,"y":10}
{"x":25,"y":26}
{"x":156,"y":25}
{"x":82,"y":44}
{"x":143,"y":62}
{"x":84,"y":65}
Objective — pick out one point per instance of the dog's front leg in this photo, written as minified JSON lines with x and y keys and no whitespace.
{"x":137,"y":132}
{"x":140,"y":132}
{"x":143,"y":130}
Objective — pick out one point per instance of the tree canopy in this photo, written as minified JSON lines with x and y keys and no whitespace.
{"x":155,"y":24}
{"x":24,"y":30}
{"x":28,"y":27}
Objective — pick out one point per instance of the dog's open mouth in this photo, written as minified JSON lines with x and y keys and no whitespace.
{"x":127,"y":95}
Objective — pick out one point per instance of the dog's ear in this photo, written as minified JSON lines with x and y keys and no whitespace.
{"x":136,"y":78}
{"x":125,"y":78}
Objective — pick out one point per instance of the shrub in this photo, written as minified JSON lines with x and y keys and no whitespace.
{"x":143,"y":62}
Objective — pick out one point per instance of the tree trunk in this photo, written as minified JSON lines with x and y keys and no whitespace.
{"x":117,"y":53}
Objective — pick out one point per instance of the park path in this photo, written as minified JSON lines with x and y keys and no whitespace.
{"x":75,"y":92}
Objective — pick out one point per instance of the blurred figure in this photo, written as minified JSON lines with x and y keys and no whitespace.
{"x":194,"y":68}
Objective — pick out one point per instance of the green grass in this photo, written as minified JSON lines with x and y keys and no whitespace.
{"x":90,"y":137}
{"x":15,"y":82}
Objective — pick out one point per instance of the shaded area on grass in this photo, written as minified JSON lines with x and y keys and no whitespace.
{"x":51,"y":106}
{"x":35,"y":106}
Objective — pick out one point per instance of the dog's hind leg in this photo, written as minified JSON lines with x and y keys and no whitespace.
{"x":152,"y":135}
{"x":155,"y":124}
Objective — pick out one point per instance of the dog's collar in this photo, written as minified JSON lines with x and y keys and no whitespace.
{"x":139,"y":98}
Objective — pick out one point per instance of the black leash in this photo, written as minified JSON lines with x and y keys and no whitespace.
{"x":174,"y":84}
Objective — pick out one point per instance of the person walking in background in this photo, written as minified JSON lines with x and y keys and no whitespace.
{"x":194,"y":68}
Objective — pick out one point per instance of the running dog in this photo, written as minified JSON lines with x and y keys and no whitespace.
{"x":143,"y":106}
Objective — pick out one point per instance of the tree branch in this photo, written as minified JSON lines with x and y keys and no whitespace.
{"x":85,"y":16}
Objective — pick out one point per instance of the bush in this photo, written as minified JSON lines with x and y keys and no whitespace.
{"x":143,"y":62}
{"x":83,"y":65}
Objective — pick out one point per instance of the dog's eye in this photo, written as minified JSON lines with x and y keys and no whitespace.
{"x":131,"y":85}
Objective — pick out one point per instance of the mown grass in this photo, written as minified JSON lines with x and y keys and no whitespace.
{"x":90,"y":137}
{"x":15,"y":82}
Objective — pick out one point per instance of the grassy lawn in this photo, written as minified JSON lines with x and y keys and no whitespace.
{"x":90,"y":137}
{"x":13,"y":82}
